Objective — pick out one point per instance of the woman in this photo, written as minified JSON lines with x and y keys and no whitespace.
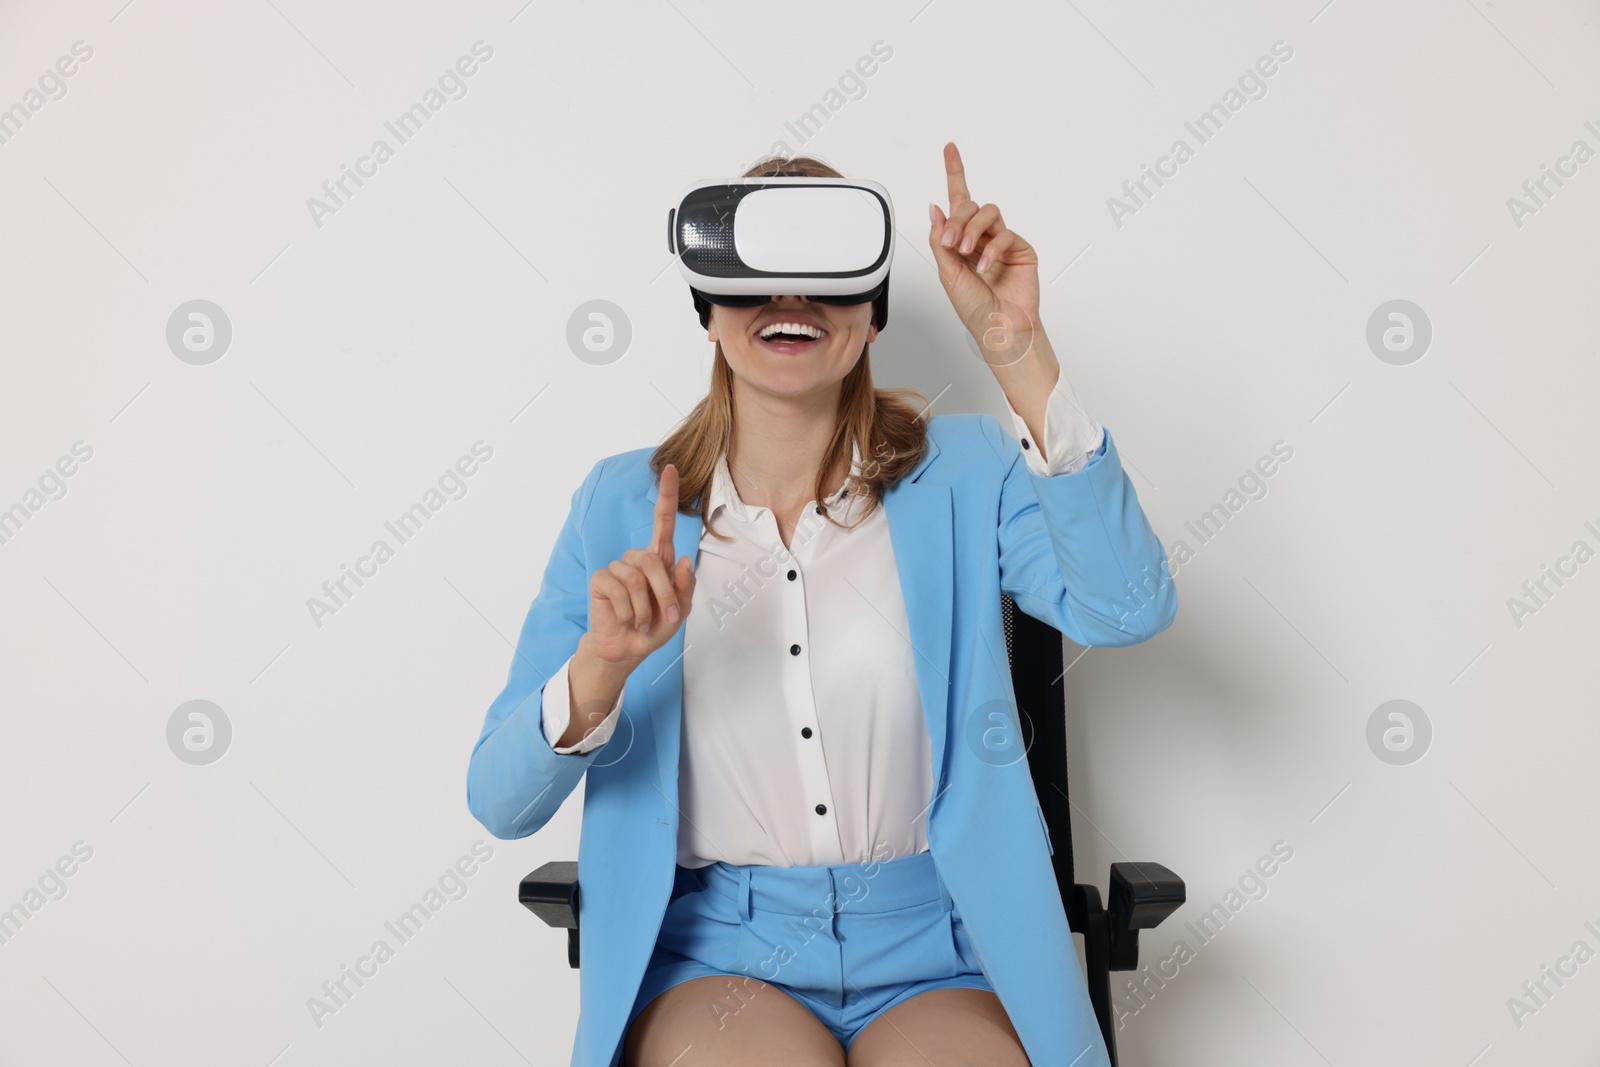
{"x":794,"y":783}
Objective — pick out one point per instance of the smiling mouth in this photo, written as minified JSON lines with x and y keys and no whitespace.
{"x":790,"y":338}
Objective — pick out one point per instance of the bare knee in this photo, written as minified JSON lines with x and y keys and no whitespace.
{"x":723,"y":1021}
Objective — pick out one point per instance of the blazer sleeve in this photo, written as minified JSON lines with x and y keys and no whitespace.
{"x":515,"y":780}
{"x":1076,"y":550}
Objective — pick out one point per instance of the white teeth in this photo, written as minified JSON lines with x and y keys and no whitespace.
{"x":801,"y":328}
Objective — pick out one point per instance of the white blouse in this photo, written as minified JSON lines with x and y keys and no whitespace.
{"x":804,"y":740}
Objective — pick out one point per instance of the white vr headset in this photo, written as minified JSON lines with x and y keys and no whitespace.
{"x":741,"y":241}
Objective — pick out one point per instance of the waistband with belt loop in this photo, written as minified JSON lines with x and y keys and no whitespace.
{"x":874,"y":886}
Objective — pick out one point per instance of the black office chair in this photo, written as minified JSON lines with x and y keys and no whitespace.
{"x":1142,"y":894}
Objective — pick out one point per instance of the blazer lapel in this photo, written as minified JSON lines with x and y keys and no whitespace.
{"x":921,"y":529}
{"x":663,"y":669}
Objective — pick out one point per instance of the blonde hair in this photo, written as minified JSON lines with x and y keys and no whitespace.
{"x":888,"y":425}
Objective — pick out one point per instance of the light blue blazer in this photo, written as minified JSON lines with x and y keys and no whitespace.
{"x":969,"y":521}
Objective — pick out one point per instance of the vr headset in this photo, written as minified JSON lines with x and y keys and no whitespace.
{"x":738,"y":242}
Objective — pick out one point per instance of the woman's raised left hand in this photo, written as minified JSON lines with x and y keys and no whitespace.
{"x":990,"y":274}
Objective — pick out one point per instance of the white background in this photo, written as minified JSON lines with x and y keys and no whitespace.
{"x":370,"y":351}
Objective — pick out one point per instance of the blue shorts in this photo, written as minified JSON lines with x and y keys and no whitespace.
{"x":848,"y":941}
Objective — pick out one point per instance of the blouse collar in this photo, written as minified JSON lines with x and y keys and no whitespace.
{"x":723,"y":494}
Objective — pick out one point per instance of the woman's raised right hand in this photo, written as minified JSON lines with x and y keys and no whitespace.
{"x":638,"y":602}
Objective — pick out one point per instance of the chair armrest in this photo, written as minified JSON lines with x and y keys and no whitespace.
{"x":551,"y":893}
{"x":1143,"y":895}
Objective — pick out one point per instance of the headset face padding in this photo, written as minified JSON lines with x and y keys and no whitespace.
{"x":879,"y":299}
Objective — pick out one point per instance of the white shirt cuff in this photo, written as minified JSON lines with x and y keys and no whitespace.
{"x":556,"y":714}
{"x":1070,"y":435}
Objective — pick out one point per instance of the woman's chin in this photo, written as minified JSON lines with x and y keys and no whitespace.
{"x":792,"y":383}
{"x":786,"y":374}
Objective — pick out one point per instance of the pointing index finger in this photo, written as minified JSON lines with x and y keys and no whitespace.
{"x":666,"y":513}
{"x":955,"y":175}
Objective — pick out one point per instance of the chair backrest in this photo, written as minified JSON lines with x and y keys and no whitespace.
{"x":1034,"y":650}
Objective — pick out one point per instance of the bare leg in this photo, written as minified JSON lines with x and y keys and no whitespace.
{"x":729,"y":1022}
{"x":941,"y":1028}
